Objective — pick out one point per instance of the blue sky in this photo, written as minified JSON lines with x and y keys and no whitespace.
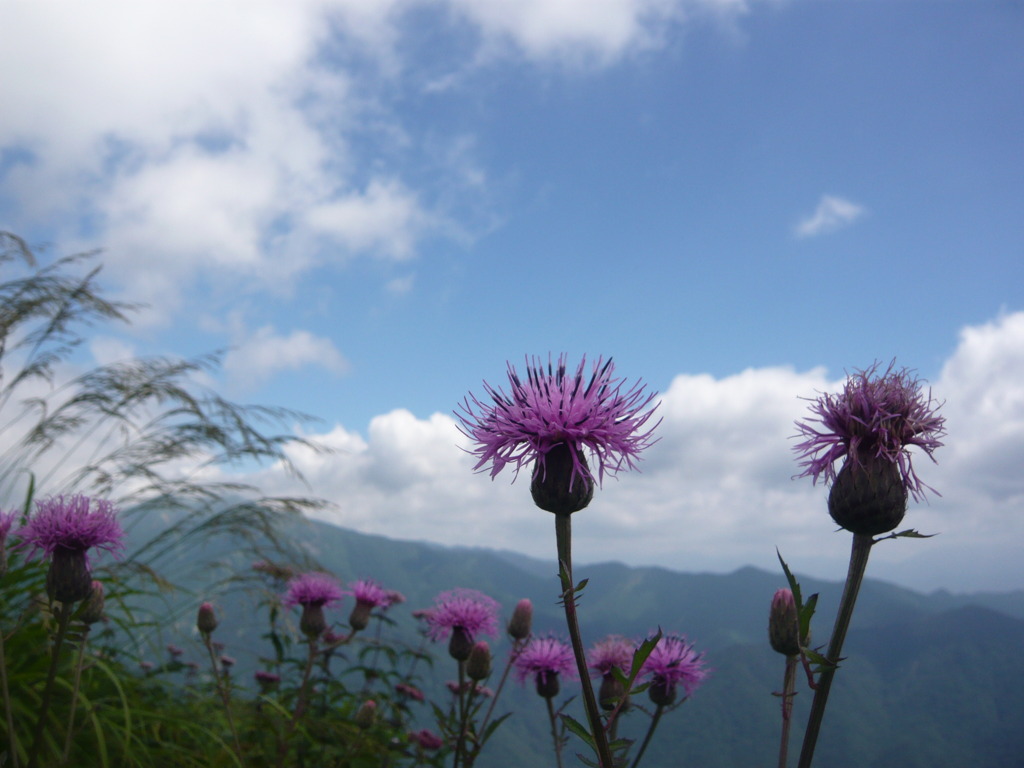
{"x":374,"y":205}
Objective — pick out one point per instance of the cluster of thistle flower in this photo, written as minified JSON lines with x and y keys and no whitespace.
{"x":557,"y":423}
{"x":64,"y":529}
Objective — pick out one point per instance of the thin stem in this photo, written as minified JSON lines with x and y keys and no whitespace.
{"x":12,"y":737}
{"x":63,"y":618}
{"x":563,"y":540}
{"x":300,"y":704}
{"x":858,"y":564}
{"x":224,"y":695}
{"x":788,"y":684}
{"x":517,"y":647}
{"x":79,"y":662}
{"x":554,"y":730}
{"x":649,"y":734}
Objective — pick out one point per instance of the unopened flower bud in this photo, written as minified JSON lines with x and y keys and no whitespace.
{"x":662,"y":691}
{"x":460,"y":645}
{"x":359,"y":619}
{"x":784,"y":624}
{"x":554,"y":487}
{"x":478,"y":665}
{"x":547,"y":684}
{"x":92,"y":609}
{"x":611,"y":692}
{"x":521,"y":623}
{"x":366,"y":716}
{"x":206,"y":621}
{"x":427,"y":740}
{"x":869,"y":498}
{"x":312,"y":622}
{"x":68,"y":578}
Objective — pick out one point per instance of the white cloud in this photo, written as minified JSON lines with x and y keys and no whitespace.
{"x":832,"y":213}
{"x":266,"y":352}
{"x":717,"y":492}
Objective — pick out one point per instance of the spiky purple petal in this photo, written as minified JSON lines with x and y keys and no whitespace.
{"x":313,"y":590}
{"x":469,"y":609}
{"x":552,"y":408}
{"x":75,"y":523}
{"x":876,"y":416}
{"x":545,"y":656}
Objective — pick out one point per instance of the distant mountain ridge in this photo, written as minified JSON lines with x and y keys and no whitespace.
{"x":930,"y":681}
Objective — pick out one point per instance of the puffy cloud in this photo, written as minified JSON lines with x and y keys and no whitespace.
{"x":832,"y":213}
{"x":717,"y":491}
{"x":267,"y":352}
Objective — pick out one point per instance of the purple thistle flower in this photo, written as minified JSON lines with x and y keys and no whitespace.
{"x":673,"y":662}
{"x":6,"y":521}
{"x":545,"y":657}
{"x":369,"y":592}
{"x":554,"y":408}
{"x":313,"y":590}
{"x":876,"y":416}
{"x":74,"y":524}
{"x":266,"y":679}
{"x":466,"y":609}
{"x":612,"y":652}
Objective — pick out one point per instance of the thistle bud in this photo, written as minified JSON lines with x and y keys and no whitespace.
{"x":611,"y":692}
{"x":869,"y":498}
{"x":554,"y":487}
{"x":206,"y":621}
{"x":784,"y":624}
{"x":662,"y":691}
{"x":312,"y":622}
{"x":92,"y":609}
{"x":68,"y":578}
{"x":366,"y":716}
{"x":521,"y":623}
{"x":478,"y":665}
{"x":547,"y":684}
{"x":460,"y":645}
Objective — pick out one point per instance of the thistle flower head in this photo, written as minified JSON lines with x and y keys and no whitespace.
{"x":877,"y":416}
{"x":6,"y":522}
{"x":545,"y":659}
{"x":612,"y":652}
{"x":74,"y":524}
{"x":370,"y":593}
{"x":552,"y":407}
{"x":472,"y":612}
{"x":672,"y":663}
{"x":313,"y":590}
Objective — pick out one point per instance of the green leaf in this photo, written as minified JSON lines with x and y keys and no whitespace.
{"x":580,"y":730}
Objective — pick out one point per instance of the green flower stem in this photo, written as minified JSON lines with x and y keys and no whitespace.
{"x":563,"y":540}
{"x":225,"y":697}
{"x":858,"y":564}
{"x":517,"y":648}
{"x":79,"y":662}
{"x":554,"y":730}
{"x":63,"y":618}
{"x":788,"y":684}
{"x":650,"y":733}
{"x":300,"y":704}
{"x":12,"y":737}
